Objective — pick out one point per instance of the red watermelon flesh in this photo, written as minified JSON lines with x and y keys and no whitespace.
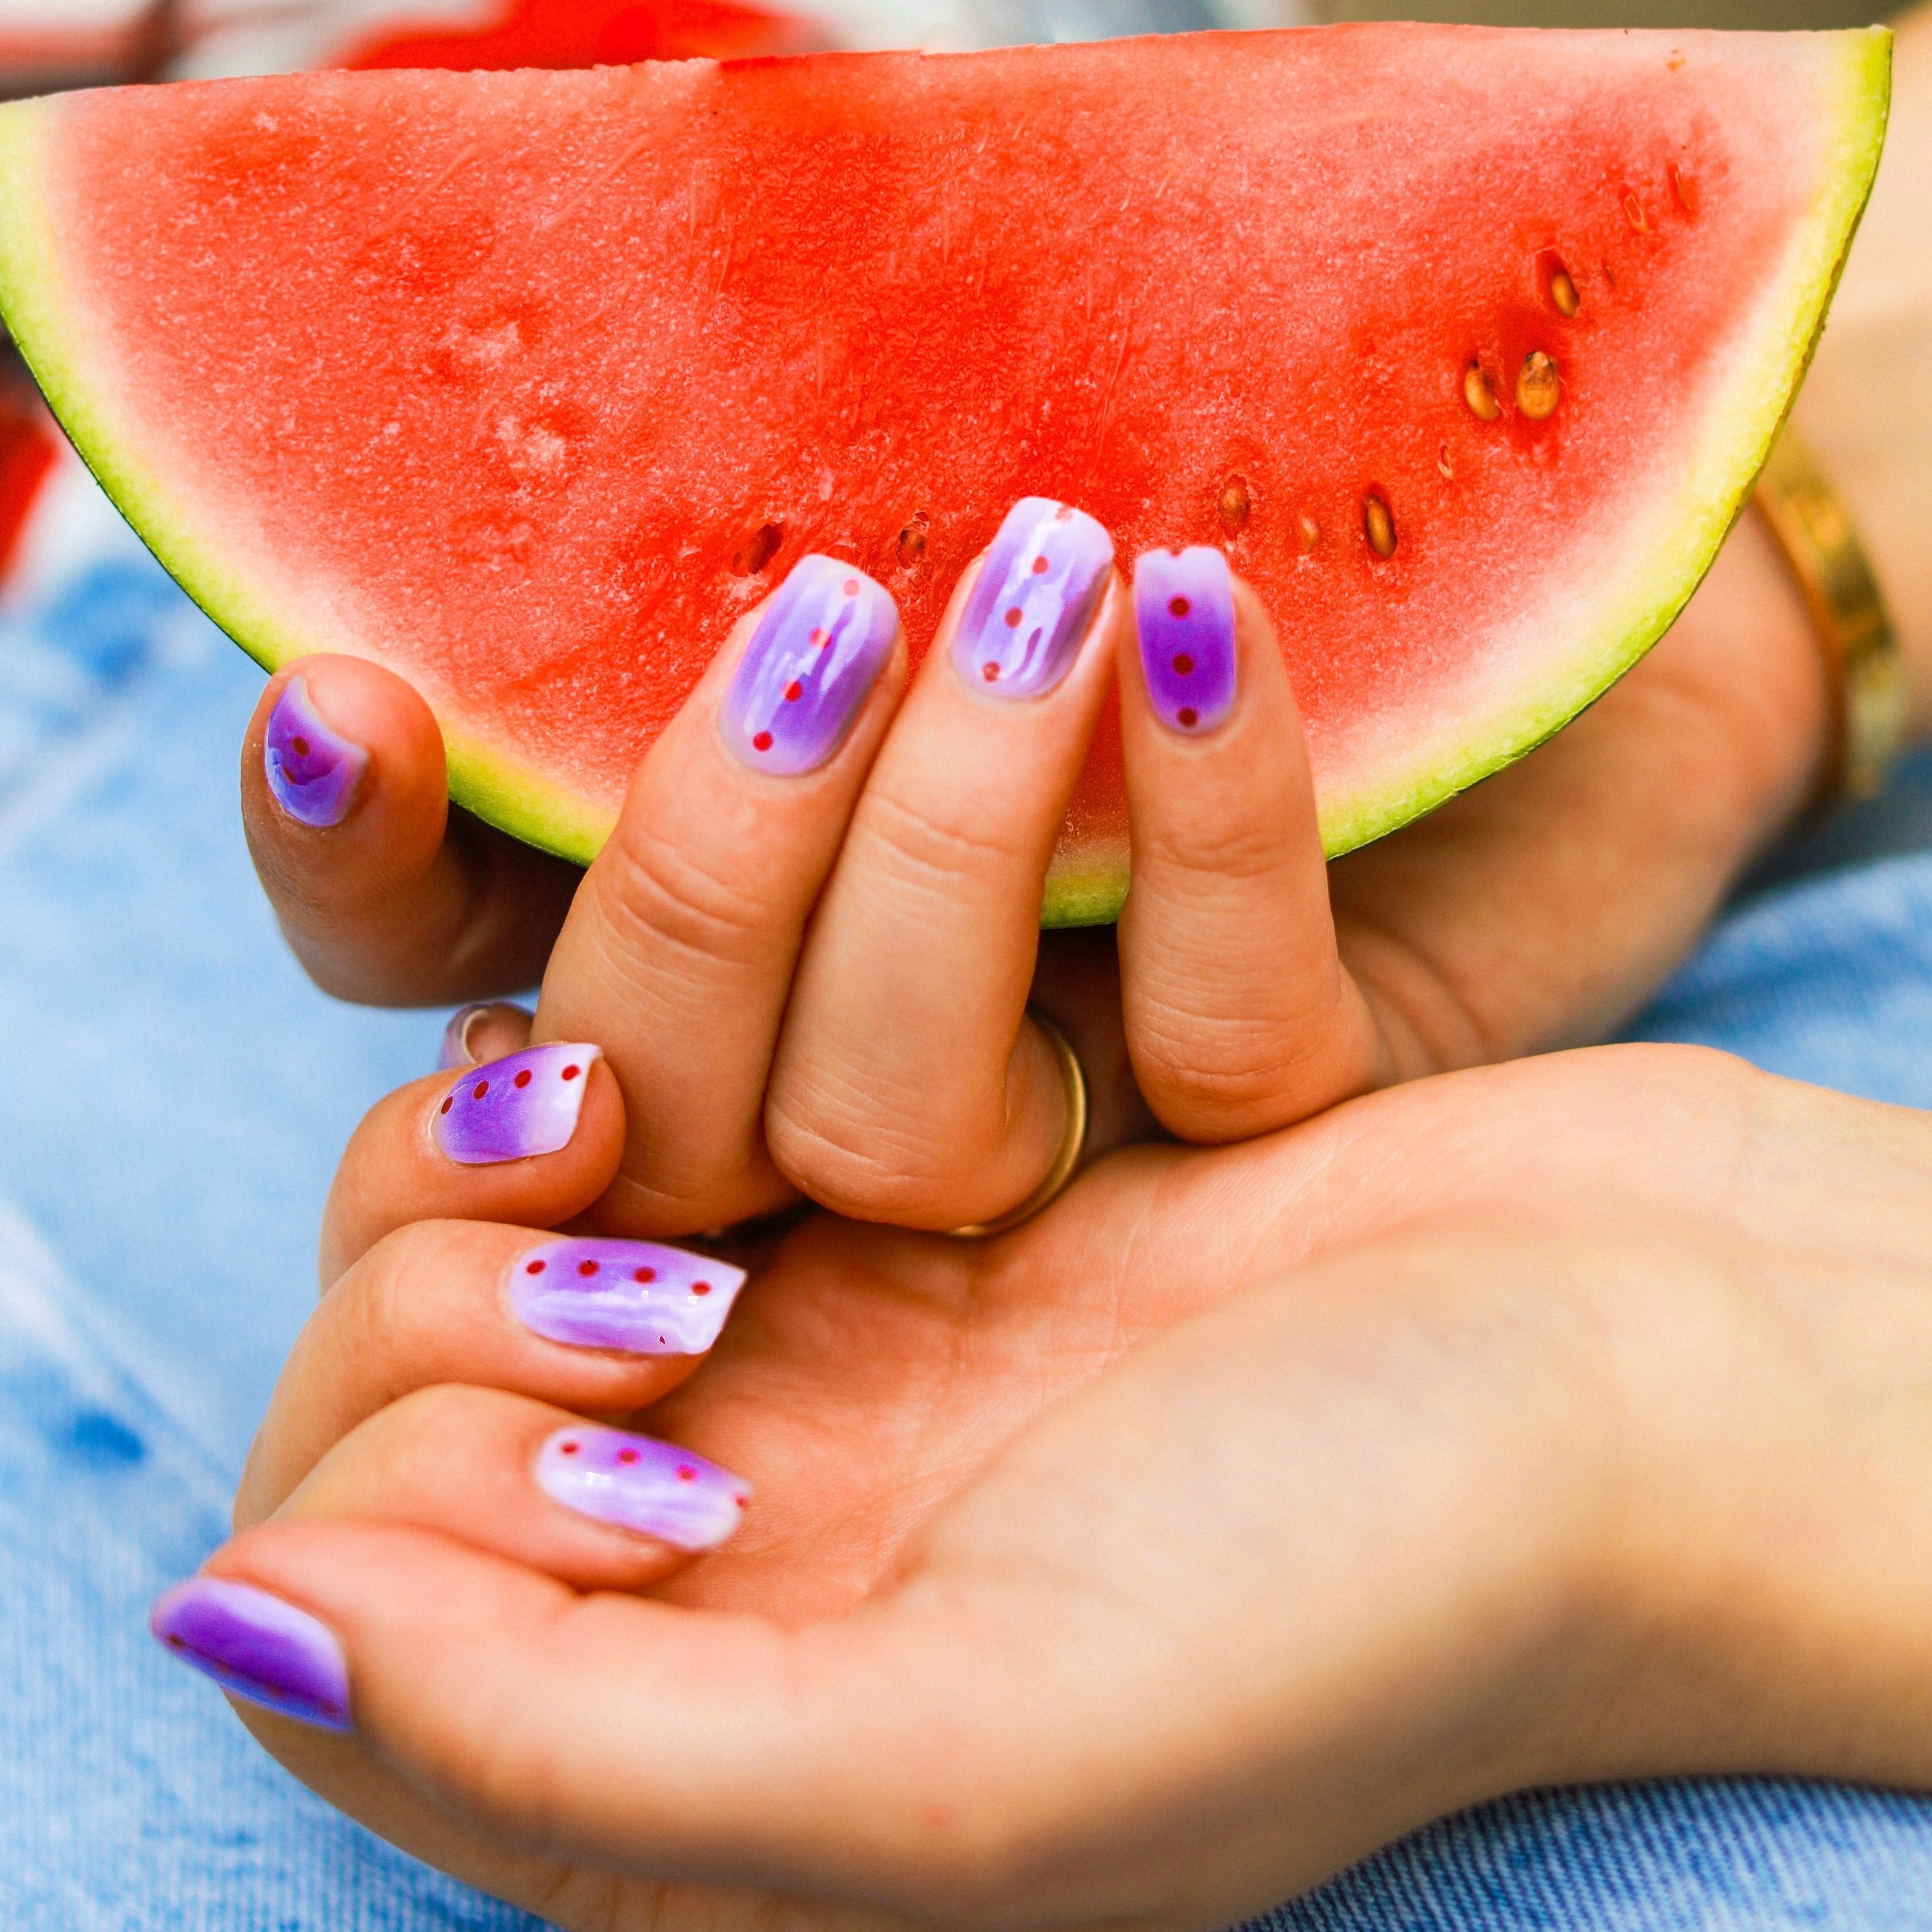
{"x":529,"y":385}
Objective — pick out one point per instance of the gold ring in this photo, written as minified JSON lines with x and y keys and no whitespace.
{"x":1074,"y":1138}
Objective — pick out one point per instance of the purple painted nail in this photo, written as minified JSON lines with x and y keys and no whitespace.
{"x":257,"y":1646}
{"x":1033,"y":599}
{"x":633,"y":1295}
{"x":313,"y":771}
{"x":1185,"y":611}
{"x":525,"y":1104}
{"x":639,"y":1483}
{"x":455,"y":1051}
{"x":818,"y":650}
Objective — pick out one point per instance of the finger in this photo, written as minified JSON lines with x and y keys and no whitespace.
{"x":487,"y":1031}
{"x":601,"y":1327}
{"x":909,"y":1086}
{"x":533,"y":1138}
{"x":1239,"y":1016}
{"x":386,"y":895}
{"x":679,"y":953}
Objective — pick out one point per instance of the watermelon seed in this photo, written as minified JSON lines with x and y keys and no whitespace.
{"x":1563,"y":291}
{"x":1538,"y":386}
{"x":1236,"y":506}
{"x":1443,"y":464}
{"x":912,"y":540}
{"x":758,"y":549}
{"x":1309,"y":531}
{"x":1378,"y":525}
{"x":1480,"y":397}
{"x":1680,"y":189}
{"x":1633,"y":211}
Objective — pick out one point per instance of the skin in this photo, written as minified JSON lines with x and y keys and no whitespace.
{"x":1249,"y":1508}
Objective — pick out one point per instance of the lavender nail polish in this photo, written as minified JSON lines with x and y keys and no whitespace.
{"x":637,"y":1296}
{"x":455,"y":1051}
{"x":312,"y":771}
{"x":1184,"y":608}
{"x":525,"y":1104}
{"x":819,"y":648}
{"x":638,"y":1483}
{"x":1035,"y":595}
{"x":258,"y":1646}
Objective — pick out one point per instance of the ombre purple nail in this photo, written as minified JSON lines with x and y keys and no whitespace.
{"x":1034,"y":597}
{"x":455,"y":1051}
{"x":637,"y":1296}
{"x":818,"y":650}
{"x":312,"y":771}
{"x":638,"y":1483}
{"x":525,"y":1104}
{"x":1184,"y":608}
{"x":258,"y":1646}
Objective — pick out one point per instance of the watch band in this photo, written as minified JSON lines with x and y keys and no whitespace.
{"x":1815,"y":531}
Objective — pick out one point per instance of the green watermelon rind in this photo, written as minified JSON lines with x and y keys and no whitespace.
{"x":1636,"y":601}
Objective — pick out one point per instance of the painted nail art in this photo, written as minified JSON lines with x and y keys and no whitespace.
{"x":639,"y":1483}
{"x":818,"y":650}
{"x":258,"y":1646}
{"x":637,"y":1296}
{"x":1033,"y":599}
{"x":455,"y":1051}
{"x":312,"y":771}
{"x":511,"y":1109}
{"x":1184,"y":609}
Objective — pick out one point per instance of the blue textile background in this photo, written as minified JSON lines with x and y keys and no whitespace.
{"x":176,"y":1095}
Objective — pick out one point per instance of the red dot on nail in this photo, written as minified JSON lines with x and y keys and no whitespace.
{"x":1189,"y":717}
{"x":523,"y":1079}
{"x":627,"y":1455}
{"x":301,"y":747}
{"x":572,"y":1072}
{"x":741,"y":1501}
{"x":644,"y":1274}
{"x":700,"y":1288}
{"x":536,"y":1267}
{"x":686,"y":1474}
{"x":586,"y":1267}
{"x":851,"y":586}
{"x":1063,"y":514}
{"x":1178,"y":606}
{"x":762,"y":742}
{"x":477,"y":1092}
{"x":569,"y":1448}
{"x":1039,"y":566}
{"x":175,"y":1643}
{"x":1013,"y":618}
{"x":820,"y":638}
{"x":794,"y":691}
{"x":990,"y":672}
{"x":449,"y":1100}
{"x":1183,"y":664}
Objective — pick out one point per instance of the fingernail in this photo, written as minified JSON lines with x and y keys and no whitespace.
{"x":257,"y":1646}
{"x":638,"y":1483}
{"x":637,"y":1296}
{"x":818,"y":650}
{"x":1184,"y":609}
{"x":1033,"y":599}
{"x":525,"y":1104}
{"x":312,"y":771}
{"x":455,"y":1051}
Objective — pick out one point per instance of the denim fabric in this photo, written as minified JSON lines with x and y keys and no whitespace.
{"x":176,"y":1095}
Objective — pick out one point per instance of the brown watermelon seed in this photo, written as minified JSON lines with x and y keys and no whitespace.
{"x":758,"y":550}
{"x":1237,"y":505}
{"x":1443,"y":464}
{"x":1563,"y":291}
{"x":1480,"y":397}
{"x":1538,"y":386}
{"x":1309,"y":532}
{"x":1378,"y":525}
{"x":1633,"y":211}
{"x":912,"y":540}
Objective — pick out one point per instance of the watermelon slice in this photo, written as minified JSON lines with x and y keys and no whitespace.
{"x":1465,"y":344}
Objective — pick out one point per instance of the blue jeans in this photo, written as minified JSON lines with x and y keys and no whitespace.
{"x":176,"y":1096}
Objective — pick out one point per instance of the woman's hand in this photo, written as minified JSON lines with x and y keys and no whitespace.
{"x":1246,"y":1509}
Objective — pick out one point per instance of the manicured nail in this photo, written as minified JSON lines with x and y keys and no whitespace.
{"x":1184,"y":607}
{"x":513,"y":1108}
{"x":1035,"y":595}
{"x":312,"y":771}
{"x":633,"y":1295}
{"x":818,"y":650}
{"x":455,"y":1051}
{"x":638,"y":1483}
{"x":257,"y":1646}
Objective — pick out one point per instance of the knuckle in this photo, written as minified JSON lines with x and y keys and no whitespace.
{"x":852,"y":1151}
{"x":655,"y":893}
{"x":1229,"y":861}
{"x":924,"y":851}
